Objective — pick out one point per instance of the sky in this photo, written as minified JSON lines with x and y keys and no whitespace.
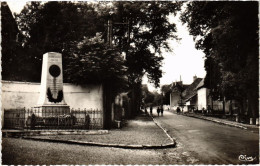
{"x":183,"y":62}
{"x":16,"y":6}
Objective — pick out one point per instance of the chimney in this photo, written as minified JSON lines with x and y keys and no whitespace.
{"x":180,"y":81}
{"x":194,"y":78}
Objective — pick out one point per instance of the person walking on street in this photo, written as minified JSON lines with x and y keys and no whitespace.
{"x":151,"y":110}
{"x":178,"y":110}
{"x":162,"y":110}
{"x":158,"y":111}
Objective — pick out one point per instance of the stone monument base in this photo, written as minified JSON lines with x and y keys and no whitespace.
{"x":52,"y":110}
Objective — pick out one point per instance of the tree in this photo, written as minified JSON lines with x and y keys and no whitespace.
{"x":71,"y":29}
{"x":228,"y":34}
{"x":158,"y":98}
{"x":145,"y":36}
{"x":58,"y":26}
{"x":55,"y":26}
{"x":147,"y":96}
{"x":62,"y":26}
{"x":94,"y":62}
{"x":11,"y":46}
{"x":143,"y":39}
{"x":166,"y":91}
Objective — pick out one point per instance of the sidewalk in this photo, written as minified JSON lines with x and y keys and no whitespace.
{"x":141,"y":132}
{"x":254,"y":128}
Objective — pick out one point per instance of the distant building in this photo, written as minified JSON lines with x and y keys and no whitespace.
{"x":175,"y":96}
{"x":196,"y":96}
{"x":190,"y":95}
{"x":204,"y":99}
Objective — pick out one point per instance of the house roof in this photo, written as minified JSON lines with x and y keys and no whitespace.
{"x":201,"y":84}
{"x":191,"y":90}
{"x":187,"y":99}
{"x":178,"y":86}
{"x":185,"y":86}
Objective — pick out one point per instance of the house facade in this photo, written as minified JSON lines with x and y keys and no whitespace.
{"x":205,"y":101}
{"x":196,"y":97}
{"x":190,"y":95}
{"x":203,"y":96}
{"x":176,"y":94}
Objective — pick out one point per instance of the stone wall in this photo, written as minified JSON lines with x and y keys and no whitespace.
{"x":25,"y":94}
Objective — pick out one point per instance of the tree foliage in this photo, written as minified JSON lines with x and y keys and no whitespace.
{"x":148,"y":31}
{"x":52,"y":26}
{"x":158,"y":99}
{"x":228,"y":34}
{"x":55,"y":26}
{"x":60,"y":26}
{"x":147,"y":96}
{"x":94,"y":62}
{"x":166,"y":91}
{"x":10,"y":45}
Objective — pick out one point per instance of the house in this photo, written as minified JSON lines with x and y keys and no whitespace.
{"x":190,"y":96}
{"x":205,"y":101}
{"x":175,"y":95}
{"x":203,"y":95}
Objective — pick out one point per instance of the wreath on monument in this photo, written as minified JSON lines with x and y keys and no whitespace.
{"x":50,"y":96}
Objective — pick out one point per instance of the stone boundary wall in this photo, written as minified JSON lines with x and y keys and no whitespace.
{"x":26,"y":94}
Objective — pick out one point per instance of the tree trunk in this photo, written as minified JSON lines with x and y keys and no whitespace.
{"x":133,"y":103}
{"x":231,"y":108}
{"x":241,"y":107}
{"x":253,"y":104}
{"x":224,"y":109}
{"x":107,"y":106}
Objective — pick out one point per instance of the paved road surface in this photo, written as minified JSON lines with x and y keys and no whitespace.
{"x":199,"y":142}
{"x":18,"y":151}
{"x":209,"y":142}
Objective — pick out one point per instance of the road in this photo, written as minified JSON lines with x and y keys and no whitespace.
{"x":209,"y":142}
{"x":26,"y":152}
{"x":198,"y":142}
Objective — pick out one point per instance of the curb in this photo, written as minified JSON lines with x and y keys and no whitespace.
{"x":124,"y":146}
{"x":217,"y":121}
{"x":16,"y":133}
{"x":164,"y":130}
{"x":27,"y":135}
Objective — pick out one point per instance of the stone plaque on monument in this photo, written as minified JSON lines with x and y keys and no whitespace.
{"x":51,"y":100}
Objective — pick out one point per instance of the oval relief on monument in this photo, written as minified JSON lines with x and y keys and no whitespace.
{"x":54,"y":70}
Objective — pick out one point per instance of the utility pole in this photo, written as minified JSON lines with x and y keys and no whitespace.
{"x":108,"y":109}
{"x":224,"y":108}
{"x":109,"y":32}
{"x":107,"y":116}
{"x":211,"y":87}
{"x":128,"y":28}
